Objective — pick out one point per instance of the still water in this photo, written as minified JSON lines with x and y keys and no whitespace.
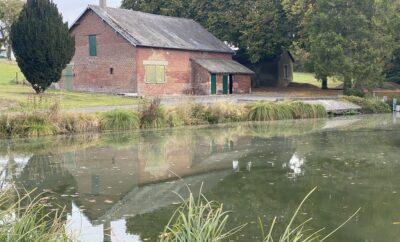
{"x":123,"y":187}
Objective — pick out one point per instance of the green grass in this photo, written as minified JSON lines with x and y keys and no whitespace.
{"x":119,"y":120}
{"x":369,"y":105}
{"x":13,"y":93}
{"x":309,"y":78}
{"x":8,"y":72}
{"x":267,"y":111}
{"x":28,"y":219}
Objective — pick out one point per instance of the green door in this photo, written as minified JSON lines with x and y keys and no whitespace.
{"x":68,"y":77}
{"x":213,"y":84}
{"x":225,"y":86}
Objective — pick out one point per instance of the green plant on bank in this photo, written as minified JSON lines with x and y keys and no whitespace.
{"x":299,"y":232}
{"x":198,"y":220}
{"x":201,"y":220}
{"x":119,"y":119}
{"x":369,"y":105}
{"x":153,"y":115}
{"x":267,"y":111}
{"x":26,"y":220}
{"x":40,"y":122}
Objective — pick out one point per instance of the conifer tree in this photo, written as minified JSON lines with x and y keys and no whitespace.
{"x":42,"y":44}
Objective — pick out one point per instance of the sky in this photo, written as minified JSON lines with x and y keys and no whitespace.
{"x":71,"y":9}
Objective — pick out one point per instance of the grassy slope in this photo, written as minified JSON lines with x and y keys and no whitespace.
{"x":309,"y":78}
{"x":21,"y":93}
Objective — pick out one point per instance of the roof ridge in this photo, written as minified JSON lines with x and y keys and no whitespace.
{"x":146,"y":13}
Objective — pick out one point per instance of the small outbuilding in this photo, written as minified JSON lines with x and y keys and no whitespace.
{"x":125,"y":51}
{"x":274,"y":72}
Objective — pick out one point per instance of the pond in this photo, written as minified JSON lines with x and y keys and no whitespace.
{"x":123,"y":187}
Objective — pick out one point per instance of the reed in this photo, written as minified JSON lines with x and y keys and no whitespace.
{"x":153,"y":115}
{"x":26,"y":219}
{"x":299,"y":232}
{"x":198,"y":220}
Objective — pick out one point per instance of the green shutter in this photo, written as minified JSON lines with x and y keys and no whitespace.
{"x":225,"y":85}
{"x":92,"y":45}
{"x":213,"y":84}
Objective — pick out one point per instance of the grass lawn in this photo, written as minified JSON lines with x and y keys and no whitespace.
{"x":8,"y":72}
{"x":309,"y":78}
{"x":12,"y":95}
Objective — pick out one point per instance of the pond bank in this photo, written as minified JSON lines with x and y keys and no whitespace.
{"x":154,"y":115}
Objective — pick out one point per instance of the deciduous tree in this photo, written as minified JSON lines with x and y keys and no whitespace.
{"x":9,"y":12}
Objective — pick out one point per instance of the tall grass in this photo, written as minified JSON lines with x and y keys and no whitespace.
{"x":27,"y":220}
{"x":299,"y":232}
{"x":369,"y":105}
{"x":119,"y":120}
{"x":153,"y":115}
{"x":198,"y":220}
{"x":267,"y":111}
{"x":201,"y":220}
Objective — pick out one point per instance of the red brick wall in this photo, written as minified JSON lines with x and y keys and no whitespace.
{"x":201,"y":80}
{"x":178,"y":71}
{"x":113,"y":51}
{"x":241,"y":84}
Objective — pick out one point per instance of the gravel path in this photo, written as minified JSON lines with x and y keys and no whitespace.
{"x":332,"y":104}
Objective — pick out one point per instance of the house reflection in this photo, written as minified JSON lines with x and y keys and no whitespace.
{"x":130,"y":175}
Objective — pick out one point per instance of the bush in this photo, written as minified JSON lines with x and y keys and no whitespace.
{"x":153,"y":115}
{"x":370,"y":106}
{"x":354,"y":92}
{"x":119,"y":120}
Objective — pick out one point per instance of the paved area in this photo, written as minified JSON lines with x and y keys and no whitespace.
{"x":332,"y":103}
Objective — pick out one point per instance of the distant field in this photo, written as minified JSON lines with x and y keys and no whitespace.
{"x":12,"y":95}
{"x":309,"y":78}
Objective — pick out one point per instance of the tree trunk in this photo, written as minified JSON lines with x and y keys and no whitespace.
{"x":9,"y":51}
{"x":325,"y":83}
{"x":346,"y":85}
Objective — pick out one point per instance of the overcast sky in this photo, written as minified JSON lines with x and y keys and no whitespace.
{"x":71,"y":9}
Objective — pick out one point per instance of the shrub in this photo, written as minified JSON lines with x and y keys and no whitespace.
{"x":27,"y":220}
{"x":119,"y":120}
{"x":174,"y":119}
{"x":370,"y":106}
{"x":78,"y":122}
{"x":153,"y":115}
{"x":354,"y":92}
{"x":198,"y":220}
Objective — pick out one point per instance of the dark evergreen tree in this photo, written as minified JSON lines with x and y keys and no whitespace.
{"x":393,"y":69}
{"x":42,"y":44}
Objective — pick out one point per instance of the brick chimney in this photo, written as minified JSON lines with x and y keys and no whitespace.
{"x":103,"y":3}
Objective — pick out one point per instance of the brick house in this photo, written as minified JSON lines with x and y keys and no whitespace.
{"x":125,"y":51}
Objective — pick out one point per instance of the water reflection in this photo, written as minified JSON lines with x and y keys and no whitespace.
{"x":123,"y":186}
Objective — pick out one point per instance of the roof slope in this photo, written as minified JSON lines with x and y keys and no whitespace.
{"x":220,"y":66}
{"x":150,"y":30}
